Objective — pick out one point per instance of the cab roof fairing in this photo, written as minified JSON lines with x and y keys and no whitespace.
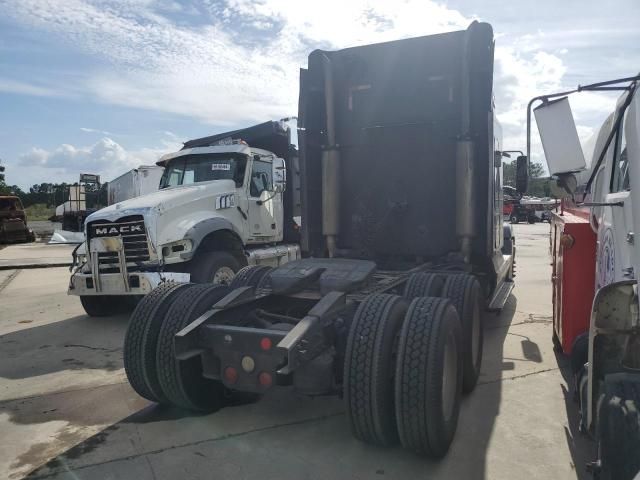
{"x":239,"y":148}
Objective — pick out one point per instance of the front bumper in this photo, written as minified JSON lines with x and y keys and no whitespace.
{"x":140,"y":283}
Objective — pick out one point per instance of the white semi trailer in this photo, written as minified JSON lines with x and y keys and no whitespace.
{"x":134,"y":183}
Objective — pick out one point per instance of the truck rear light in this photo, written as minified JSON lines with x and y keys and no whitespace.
{"x":266,"y":343}
{"x":230,"y":375}
{"x":265,"y":379}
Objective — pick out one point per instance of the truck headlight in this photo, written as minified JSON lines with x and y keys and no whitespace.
{"x":173,"y":250}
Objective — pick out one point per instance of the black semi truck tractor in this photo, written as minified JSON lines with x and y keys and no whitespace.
{"x":403,"y":246}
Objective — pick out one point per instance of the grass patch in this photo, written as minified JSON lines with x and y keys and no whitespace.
{"x":39,"y":211}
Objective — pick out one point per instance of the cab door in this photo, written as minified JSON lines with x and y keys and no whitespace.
{"x":262,"y":213}
{"x":616,"y":232}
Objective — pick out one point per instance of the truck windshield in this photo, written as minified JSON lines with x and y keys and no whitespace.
{"x":204,"y":167}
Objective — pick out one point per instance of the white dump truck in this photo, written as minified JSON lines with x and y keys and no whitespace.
{"x":223,"y":204}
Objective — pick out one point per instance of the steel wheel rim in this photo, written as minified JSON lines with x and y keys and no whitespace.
{"x":449,"y":376}
{"x":223,"y":276}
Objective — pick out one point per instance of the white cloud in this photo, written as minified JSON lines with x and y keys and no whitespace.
{"x":93,"y":130}
{"x":23,"y":88}
{"x":36,"y":156}
{"x":221,"y":73}
{"x":105,"y":157}
{"x":239,"y":62}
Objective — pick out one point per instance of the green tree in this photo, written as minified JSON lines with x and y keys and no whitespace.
{"x":10,"y":189}
{"x":536,"y":170}
{"x":538,"y":184}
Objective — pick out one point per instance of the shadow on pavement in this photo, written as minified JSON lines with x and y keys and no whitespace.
{"x":582,"y":448}
{"x":77,"y":343}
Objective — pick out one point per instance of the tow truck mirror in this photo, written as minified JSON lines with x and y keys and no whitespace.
{"x":564,"y":185}
{"x":279,"y":175}
{"x":522,"y":174}
{"x":559,"y":136}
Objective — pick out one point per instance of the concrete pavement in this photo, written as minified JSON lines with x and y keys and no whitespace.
{"x":66,"y":410}
{"x":35,"y":255}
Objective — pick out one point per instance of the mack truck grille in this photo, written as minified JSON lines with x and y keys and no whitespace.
{"x":134,"y":240}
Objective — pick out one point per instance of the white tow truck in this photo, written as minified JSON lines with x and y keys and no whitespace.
{"x":223,"y":204}
{"x":605,"y":358}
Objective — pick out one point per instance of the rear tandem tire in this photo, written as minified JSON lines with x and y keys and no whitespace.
{"x":250,"y":276}
{"x":369,"y":368}
{"x":428,"y":384}
{"x":141,"y":339}
{"x":465,"y":293}
{"x":181,"y":381}
{"x":424,"y":284}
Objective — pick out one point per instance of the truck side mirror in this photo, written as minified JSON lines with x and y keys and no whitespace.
{"x":559,"y":136}
{"x":279,"y":175}
{"x":522,"y":174}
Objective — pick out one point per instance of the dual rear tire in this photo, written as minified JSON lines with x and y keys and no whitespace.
{"x":403,"y":373}
{"x":149,"y":352}
{"x":465,"y":294}
{"x":150,"y":360}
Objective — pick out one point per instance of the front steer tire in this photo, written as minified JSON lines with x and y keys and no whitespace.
{"x":618,"y":428}
{"x":181,"y":381}
{"x":465,"y":293}
{"x":369,"y":368}
{"x":216,"y":267}
{"x":140,"y":341}
{"x":428,"y":381}
{"x":106,"y":305}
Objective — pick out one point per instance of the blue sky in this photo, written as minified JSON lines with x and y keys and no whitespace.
{"x":100,"y":86}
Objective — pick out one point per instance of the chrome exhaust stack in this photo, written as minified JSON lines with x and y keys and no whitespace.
{"x":330,"y":168}
{"x":465,"y":175}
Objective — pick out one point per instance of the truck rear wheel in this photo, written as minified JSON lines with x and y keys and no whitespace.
{"x":218,"y":268}
{"x":105,"y":305}
{"x":182,"y":382}
{"x":250,"y":276}
{"x":424,"y":284}
{"x":618,"y":429}
{"x":369,"y":368}
{"x":428,"y":384}
{"x":141,"y":340}
{"x":464,"y":292}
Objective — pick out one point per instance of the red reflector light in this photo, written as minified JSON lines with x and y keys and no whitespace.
{"x":231,"y":375}
{"x":265,"y":379}
{"x":266,"y":343}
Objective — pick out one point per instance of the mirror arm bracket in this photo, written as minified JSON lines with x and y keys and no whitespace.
{"x":260,"y":202}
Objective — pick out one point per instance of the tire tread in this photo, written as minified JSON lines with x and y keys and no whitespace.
{"x":368,"y":394}
{"x":140,"y":345}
